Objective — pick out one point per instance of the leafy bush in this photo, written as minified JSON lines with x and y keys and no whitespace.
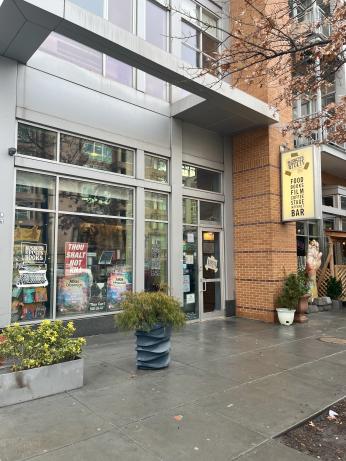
{"x":144,"y":310}
{"x":295,"y":286}
{"x":334,"y":288}
{"x":51,"y":342}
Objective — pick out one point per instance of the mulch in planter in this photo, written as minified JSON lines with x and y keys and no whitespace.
{"x":323,"y":437}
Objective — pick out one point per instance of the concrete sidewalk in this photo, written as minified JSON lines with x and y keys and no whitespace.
{"x":232,"y":386}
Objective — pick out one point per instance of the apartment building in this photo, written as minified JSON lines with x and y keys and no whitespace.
{"x":122,"y":168}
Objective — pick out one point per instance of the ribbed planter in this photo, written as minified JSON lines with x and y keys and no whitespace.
{"x":153,"y":348}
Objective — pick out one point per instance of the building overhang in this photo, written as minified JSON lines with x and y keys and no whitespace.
{"x":25,"y":24}
{"x":333,"y":160}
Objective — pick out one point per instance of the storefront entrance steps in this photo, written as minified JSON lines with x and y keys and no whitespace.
{"x":233,"y":385}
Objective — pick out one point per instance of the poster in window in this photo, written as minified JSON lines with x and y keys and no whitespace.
{"x":186,"y":283}
{"x":73,"y":294}
{"x":33,"y":253}
{"x":75,"y":258}
{"x":117,"y":285}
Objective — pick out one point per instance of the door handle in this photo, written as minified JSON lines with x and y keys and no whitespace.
{"x":204,"y":286}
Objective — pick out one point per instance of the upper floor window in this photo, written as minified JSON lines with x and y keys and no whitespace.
{"x":328,"y":200}
{"x":94,"y":6}
{"x":343,"y":202}
{"x":156,"y":33}
{"x":200,"y":178}
{"x":200,"y":36}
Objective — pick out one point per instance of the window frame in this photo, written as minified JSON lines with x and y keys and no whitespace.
{"x":206,"y":169}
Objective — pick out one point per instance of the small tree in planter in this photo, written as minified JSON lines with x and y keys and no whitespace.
{"x":293,"y":289}
{"x":334,"y":290}
{"x":152,"y":315}
{"x":42,"y":360}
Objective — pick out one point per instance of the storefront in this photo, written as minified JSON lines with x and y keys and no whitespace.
{"x":81,"y":241}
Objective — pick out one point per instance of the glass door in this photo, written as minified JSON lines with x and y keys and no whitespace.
{"x":211,"y":272}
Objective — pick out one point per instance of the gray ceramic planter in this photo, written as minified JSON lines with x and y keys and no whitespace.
{"x":21,"y":386}
{"x":153,"y":348}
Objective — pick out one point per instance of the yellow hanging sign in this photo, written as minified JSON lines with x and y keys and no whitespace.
{"x":298,"y":185}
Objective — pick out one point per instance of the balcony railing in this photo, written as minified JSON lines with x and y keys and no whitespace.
{"x":315,"y":16}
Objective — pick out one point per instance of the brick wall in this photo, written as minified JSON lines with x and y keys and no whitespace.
{"x":265,"y":249}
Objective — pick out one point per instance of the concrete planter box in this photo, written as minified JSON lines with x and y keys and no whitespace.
{"x":21,"y":386}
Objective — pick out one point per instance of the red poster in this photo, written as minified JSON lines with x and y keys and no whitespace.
{"x":75,"y":258}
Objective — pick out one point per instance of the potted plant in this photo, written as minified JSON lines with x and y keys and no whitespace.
{"x":42,"y":361}
{"x":334,"y":291}
{"x":152,"y":315}
{"x":303,"y":305}
{"x":292,"y":290}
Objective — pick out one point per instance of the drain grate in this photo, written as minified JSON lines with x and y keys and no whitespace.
{"x":332,"y":340}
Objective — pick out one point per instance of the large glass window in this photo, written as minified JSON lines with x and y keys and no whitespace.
{"x":95,"y":198}
{"x":94,"y":263}
{"x":156,"y":241}
{"x":95,"y":154}
{"x":190,"y":271}
{"x":199,"y":178}
{"x":36,"y":142}
{"x":35,"y":190}
{"x":343,"y":202}
{"x":33,"y":260}
{"x":156,"y":168}
{"x":156,"y":32}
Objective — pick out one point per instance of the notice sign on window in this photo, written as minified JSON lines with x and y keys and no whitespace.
{"x":75,"y":258}
{"x":299,"y":185}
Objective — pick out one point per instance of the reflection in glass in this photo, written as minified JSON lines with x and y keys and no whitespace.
{"x":211,"y":255}
{"x":210,"y":212}
{"x":119,"y":71}
{"x":156,"y":206}
{"x":212,"y":297}
{"x":199,"y":178}
{"x":156,"y":256}
{"x":95,"y":154}
{"x":120,"y":13}
{"x":32,"y":285}
{"x":73,"y":51}
{"x":190,"y":272}
{"x":156,"y":25}
{"x":156,"y":33}
{"x":35,"y":190}
{"x":95,"y":198}
{"x":94,"y":6}
{"x":190,"y":211}
{"x":36,"y":142}
{"x":155,"y":87}
{"x":156,"y":168}
{"x":94,"y":263}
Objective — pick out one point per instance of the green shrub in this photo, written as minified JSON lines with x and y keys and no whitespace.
{"x":51,"y":342}
{"x":142,"y":311}
{"x":334,"y":288}
{"x":295,"y":286}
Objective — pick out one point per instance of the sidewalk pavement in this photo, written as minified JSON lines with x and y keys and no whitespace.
{"x":233,"y":385}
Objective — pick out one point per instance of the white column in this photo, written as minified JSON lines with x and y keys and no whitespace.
{"x":176,"y":215}
{"x":8,"y":83}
